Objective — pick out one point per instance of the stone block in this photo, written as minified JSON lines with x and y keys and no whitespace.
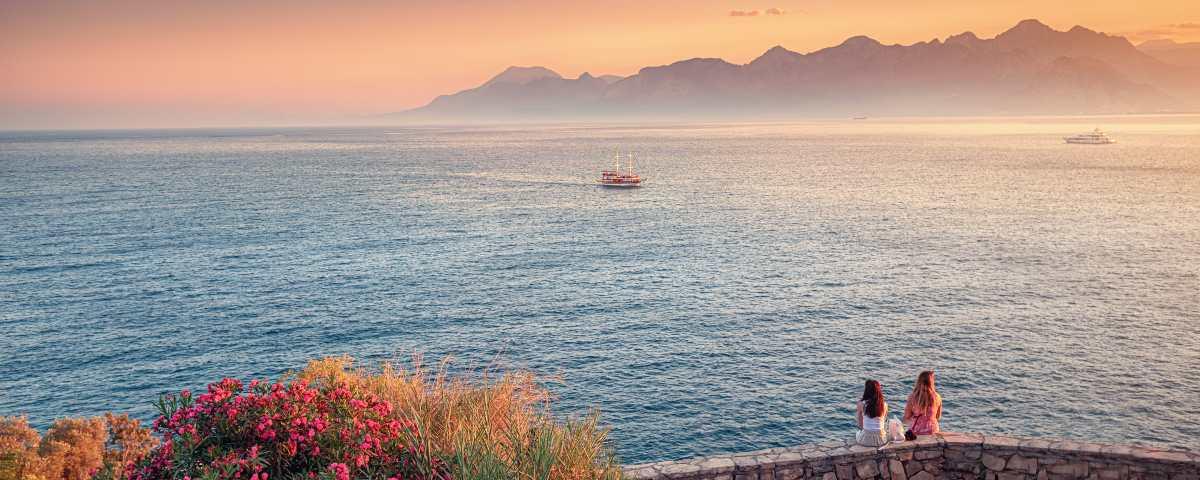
{"x":789,"y":473}
{"x":789,"y":458}
{"x":1017,"y":463}
{"x":963,"y":453}
{"x":716,"y":464}
{"x":927,"y":454}
{"x":1167,"y":457}
{"x":952,"y":439}
{"x":923,"y":476}
{"x":845,"y":472}
{"x":867,"y":469}
{"x":677,"y":470}
{"x":1010,"y":476}
{"x":993,"y":462}
{"x":1069,"y":470}
{"x":912,"y":467}
{"x":896,"y":470}
{"x":1001,"y":442}
{"x":829,"y":476}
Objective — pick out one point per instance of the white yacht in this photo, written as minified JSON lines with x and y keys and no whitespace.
{"x":1094,"y":137}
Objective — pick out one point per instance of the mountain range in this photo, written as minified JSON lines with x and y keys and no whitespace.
{"x":1028,"y":69}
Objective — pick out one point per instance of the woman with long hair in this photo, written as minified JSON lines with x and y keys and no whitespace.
{"x":872,"y":410}
{"x":924,"y":407}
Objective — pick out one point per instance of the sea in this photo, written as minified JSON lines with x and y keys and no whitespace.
{"x":736,"y":301}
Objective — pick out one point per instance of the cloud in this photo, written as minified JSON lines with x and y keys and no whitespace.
{"x":1173,"y":30}
{"x":755,"y":13}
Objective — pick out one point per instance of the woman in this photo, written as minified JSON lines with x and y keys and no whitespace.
{"x":872,"y":410}
{"x":924,"y":407}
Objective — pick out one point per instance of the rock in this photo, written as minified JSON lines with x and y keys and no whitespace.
{"x":1042,"y":474}
{"x":867,"y":469}
{"x":928,"y":454}
{"x":845,"y":472}
{"x":829,"y":476}
{"x":679,"y":469}
{"x":1071,"y":470}
{"x":911,"y":468}
{"x":1011,"y":476}
{"x":922,"y":476}
{"x":1018,"y":463}
{"x":993,"y":462}
{"x":717,"y":464}
{"x":896,"y":469}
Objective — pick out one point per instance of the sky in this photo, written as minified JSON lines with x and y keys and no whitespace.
{"x":166,"y":63}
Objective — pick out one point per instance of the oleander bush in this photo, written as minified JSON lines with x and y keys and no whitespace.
{"x":329,"y":421}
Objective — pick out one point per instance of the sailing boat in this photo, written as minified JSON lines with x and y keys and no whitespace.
{"x":619,"y":178}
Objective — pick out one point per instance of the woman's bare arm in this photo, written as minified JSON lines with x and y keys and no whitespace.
{"x":858,"y":414}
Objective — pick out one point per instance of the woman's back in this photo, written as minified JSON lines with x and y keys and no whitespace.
{"x":925,"y":420}
{"x":873,"y":424}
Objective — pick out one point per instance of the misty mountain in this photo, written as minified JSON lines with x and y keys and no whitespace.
{"x":1028,"y":69}
{"x":1171,"y":52}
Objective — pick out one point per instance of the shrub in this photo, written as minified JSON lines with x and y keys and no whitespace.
{"x":495,"y":426}
{"x":329,"y":421}
{"x":285,"y":430}
{"x":72,"y":449}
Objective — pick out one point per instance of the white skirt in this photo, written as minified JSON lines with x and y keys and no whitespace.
{"x":870,"y":438}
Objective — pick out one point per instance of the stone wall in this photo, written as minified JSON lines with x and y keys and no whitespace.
{"x":947,"y":456}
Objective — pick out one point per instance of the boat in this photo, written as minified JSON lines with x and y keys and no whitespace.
{"x":618,"y":177}
{"x":1094,"y":137}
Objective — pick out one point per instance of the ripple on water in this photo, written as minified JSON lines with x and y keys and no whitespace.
{"x":736,"y":302}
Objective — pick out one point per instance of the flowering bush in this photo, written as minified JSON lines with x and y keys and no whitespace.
{"x":330,"y":421}
{"x":285,"y":431}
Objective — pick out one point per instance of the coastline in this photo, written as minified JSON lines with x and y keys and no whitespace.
{"x":951,"y":456}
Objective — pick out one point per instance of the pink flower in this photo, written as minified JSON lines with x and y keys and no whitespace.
{"x":340,"y":471}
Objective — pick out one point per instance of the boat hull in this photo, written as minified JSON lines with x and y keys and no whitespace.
{"x":619,"y":185}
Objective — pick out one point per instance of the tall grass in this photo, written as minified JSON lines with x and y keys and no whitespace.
{"x":495,"y":426}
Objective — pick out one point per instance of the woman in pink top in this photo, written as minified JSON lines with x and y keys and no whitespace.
{"x":924,"y":406}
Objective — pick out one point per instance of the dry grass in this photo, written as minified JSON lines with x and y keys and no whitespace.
{"x":494,"y":426}
{"x":72,"y":449}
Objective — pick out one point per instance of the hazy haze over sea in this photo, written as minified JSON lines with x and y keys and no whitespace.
{"x":736,"y":302}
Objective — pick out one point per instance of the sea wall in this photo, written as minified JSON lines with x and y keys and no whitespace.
{"x":947,"y":456}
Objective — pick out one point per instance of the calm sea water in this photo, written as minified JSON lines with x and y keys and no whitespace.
{"x":736,"y":302}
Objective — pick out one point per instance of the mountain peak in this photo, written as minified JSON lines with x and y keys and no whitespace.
{"x":965,"y":38}
{"x":859,"y":41}
{"x":522,"y":75}
{"x":585,"y":76}
{"x":1027,"y":28}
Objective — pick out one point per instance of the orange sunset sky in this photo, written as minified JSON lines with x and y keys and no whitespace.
{"x":115,"y":64}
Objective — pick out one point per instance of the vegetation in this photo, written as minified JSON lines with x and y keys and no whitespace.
{"x":329,"y":421}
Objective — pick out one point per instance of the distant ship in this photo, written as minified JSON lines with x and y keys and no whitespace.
{"x":1095,"y":137}
{"x":619,"y":178}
